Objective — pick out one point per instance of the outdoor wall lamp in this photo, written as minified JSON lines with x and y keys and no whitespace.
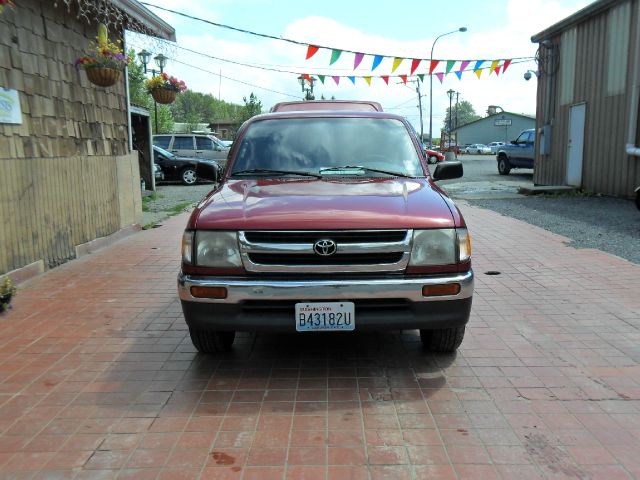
{"x":145,"y":57}
{"x":527,"y":74}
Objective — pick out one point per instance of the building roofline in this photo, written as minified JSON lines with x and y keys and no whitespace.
{"x":580,"y":16}
{"x":145,"y":16}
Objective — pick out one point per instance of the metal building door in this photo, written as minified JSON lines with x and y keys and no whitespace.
{"x":575,"y":144}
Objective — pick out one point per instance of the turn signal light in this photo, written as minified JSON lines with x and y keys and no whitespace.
{"x":209,"y":292}
{"x":440,"y":290}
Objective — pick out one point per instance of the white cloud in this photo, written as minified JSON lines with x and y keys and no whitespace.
{"x":511,"y":39}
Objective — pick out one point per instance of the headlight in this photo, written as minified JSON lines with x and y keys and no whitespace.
{"x":433,"y":247}
{"x":464,"y":245}
{"x":217,"y":249}
{"x":187,"y":247}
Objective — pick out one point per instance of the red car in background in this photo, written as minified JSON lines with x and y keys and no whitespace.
{"x":433,"y":156}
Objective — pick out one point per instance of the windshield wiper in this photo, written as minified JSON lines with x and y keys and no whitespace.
{"x":267,"y":171}
{"x":359,"y":167}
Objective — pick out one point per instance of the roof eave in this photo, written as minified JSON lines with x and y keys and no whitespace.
{"x":589,"y":11}
{"x":136,"y":10}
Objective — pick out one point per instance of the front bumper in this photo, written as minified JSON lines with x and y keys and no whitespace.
{"x":380,"y":304}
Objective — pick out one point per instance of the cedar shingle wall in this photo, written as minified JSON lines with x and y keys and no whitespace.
{"x":59,"y":185}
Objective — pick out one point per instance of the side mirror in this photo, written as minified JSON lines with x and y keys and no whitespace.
{"x":448,"y":171}
{"x":514,"y":142}
{"x":208,"y":171}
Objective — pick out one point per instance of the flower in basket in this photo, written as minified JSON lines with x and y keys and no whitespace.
{"x":165,"y":82}
{"x":103,"y":54}
{"x":6,"y":3}
{"x":7,"y":291}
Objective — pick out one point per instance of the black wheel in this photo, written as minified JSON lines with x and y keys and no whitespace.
{"x":433,"y":159}
{"x":211,"y":341}
{"x":446,"y":340}
{"x":504,"y":167}
{"x":188,"y":176}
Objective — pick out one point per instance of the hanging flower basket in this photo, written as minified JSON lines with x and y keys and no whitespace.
{"x":164,"y":96}
{"x":7,"y":292}
{"x":103,"y":76}
{"x":164,"y":88}
{"x":105,"y":61}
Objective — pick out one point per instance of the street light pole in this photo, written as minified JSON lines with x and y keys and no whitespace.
{"x":161,"y":62}
{"x":461,"y":29}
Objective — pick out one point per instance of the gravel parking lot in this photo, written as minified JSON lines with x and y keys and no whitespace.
{"x":608,"y":224}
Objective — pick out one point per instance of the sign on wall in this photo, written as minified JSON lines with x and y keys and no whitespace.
{"x":10,"y":111}
{"x":502,"y":122}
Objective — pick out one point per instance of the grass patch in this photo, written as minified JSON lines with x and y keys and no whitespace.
{"x":178,"y":208}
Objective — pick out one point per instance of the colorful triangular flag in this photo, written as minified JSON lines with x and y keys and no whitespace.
{"x":440,"y":76}
{"x":450,"y":64}
{"x":477,"y":66}
{"x":337,"y":80}
{"x":335,"y":55}
{"x":368,"y":80}
{"x":386,"y":79}
{"x":421,"y":77}
{"x":396,"y":63}
{"x":478,"y":73}
{"x":505,"y":65}
{"x":459,"y":74}
{"x":357,"y":59}
{"x":494,"y":64}
{"x":414,"y":65}
{"x":353,"y":79}
{"x":376,"y":61}
{"x":404,"y":79}
{"x":464,"y":64}
{"x":433,"y":65}
{"x":307,"y":77}
{"x":311,"y":51}
{"x":321,"y":78}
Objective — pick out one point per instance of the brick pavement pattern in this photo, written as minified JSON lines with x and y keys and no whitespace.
{"x":100,"y":380}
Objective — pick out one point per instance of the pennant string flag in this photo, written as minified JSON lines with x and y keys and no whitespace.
{"x":421,"y":77}
{"x":440,"y":76}
{"x":404,"y":79}
{"x":494,"y":64}
{"x":478,"y":73}
{"x":505,"y":66}
{"x":376,"y":61}
{"x":335,"y":55}
{"x":459,"y":74}
{"x":433,"y":65}
{"x":337,"y":80}
{"x":311,"y":51}
{"x":414,"y":65}
{"x":368,"y":80}
{"x":464,"y":65}
{"x":477,"y":67}
{"x":353,"y":79}
{"x":386,"y":79}
{"x":450,"y":64}
{"x":497,"y":70}
{"x":307,"y":77}
{"x":396,"y":63}
{"x":321,"y":78}
{"x":356,"y":61}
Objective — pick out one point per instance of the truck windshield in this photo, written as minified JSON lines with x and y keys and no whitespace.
{"x":327,"y":144}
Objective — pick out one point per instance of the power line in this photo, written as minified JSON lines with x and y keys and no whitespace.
{"x":283,"y":39}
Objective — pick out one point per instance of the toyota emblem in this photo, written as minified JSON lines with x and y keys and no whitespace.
{"x":325,"y":247}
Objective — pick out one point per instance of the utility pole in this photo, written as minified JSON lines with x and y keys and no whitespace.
{"x":450,"y":93}
{"x":457,"y":102}
{"x":420,"y":110}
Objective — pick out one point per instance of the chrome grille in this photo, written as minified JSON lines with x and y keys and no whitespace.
{"x":357,"y":251}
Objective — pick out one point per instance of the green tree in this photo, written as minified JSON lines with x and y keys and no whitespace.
{"x":139,"y":96}
{"x":252,"y":107}
{"x":465,"y":113}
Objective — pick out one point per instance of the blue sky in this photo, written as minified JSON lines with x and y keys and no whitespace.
{"x":497,"y":29}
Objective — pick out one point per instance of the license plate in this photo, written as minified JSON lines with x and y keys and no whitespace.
{"x":313,"y":317}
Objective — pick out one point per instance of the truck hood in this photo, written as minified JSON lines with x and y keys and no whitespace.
{"x":320,"y":204}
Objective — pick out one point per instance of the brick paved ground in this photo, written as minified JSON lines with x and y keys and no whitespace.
{"x":99,"y":378}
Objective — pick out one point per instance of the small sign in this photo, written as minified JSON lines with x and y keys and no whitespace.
{"x":10,"y":111}
{"x":502,"y":122}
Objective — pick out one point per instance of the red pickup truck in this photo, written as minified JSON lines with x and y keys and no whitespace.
{"x":327,"y":219}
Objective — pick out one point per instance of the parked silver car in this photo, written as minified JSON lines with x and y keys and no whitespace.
{"x":477,"y":149}
{"x":194,"y":145}
{"x":495,"y":147}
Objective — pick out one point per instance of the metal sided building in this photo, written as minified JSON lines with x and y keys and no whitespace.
{"x":499,"y":127}
{"x":587,"y":100}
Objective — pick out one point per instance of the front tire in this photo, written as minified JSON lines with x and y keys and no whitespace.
{"x":188,"y":176}
{"x":211,"y":341}
{"x":504,"y":167}
{"x":445,"y":340}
